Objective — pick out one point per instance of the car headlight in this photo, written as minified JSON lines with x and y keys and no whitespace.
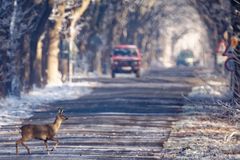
{"x":189,"y":60}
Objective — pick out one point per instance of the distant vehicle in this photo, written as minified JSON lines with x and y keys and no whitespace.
{"x":126,"y":59}
{"x":186,"y":58}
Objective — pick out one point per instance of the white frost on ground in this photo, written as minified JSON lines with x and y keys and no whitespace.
{"x":202,"y":136}
{"x":79,"y":75}
{"x":212,"y":88}
{"x":13,"y":109}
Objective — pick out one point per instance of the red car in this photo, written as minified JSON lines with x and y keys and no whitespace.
{"x":126,"y":59}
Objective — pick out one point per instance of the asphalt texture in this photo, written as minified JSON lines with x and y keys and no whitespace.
{"x":123,"y":118}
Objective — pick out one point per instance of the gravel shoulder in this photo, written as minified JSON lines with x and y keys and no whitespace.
{"x":201,"y":132}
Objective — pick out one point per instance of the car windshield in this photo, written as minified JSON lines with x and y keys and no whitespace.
{"x":186,"y":54}
{"x":124,"y":52}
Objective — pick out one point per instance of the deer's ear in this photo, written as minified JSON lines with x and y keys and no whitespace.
{"x":60,"y":111}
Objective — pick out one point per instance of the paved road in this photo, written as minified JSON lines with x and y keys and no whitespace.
{"x":123,"y":118}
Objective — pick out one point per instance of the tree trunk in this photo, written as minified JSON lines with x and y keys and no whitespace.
{"x":39,"y":29}
{"x":98,"y":63}
{"x":236,"y":75}
{"x":26,"y":63}
{"x":77,"y":13}
{"x":38,"y":62}
{"x":75,"y":17}
{"x":53,"y":50}
{"x":14,"y":52}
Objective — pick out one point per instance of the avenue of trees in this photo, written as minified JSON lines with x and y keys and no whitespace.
{"x":46,"y":41}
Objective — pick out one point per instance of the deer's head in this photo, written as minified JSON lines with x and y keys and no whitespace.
{"x":60,"y":115}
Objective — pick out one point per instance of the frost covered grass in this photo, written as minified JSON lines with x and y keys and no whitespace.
{"x":201,"y":137}
{"x":201,"y":132}
{"x":211,"y":98}
{"x":211,"y":89}
{"x":13,"y":109}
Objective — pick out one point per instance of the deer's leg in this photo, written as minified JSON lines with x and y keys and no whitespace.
{"x":56,"y":143}
{"x":17,"y":143}
{"x":28,"y":150}
{"x":46,"y":144}
{"x":21,"y":141}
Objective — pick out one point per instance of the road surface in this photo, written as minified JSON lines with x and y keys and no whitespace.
{"x":123,"y":118}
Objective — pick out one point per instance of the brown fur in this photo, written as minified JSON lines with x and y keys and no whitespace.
{"x":42,"y":132}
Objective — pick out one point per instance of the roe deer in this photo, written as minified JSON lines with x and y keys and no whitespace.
{"x":42,"y":132}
